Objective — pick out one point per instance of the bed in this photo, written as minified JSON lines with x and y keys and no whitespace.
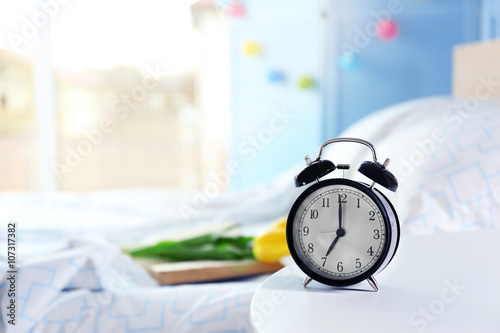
{"x":73,"y":277}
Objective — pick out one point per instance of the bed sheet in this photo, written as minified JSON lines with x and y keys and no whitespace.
{"x":73,"y":277}
{"x":445,"y":153}
{"x":93,"y":287}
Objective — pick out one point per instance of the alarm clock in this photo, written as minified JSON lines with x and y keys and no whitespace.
{"x":340,"y":231}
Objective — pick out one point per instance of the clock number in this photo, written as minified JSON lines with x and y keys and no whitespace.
{"x":305,"y":230}
{"x":310,"y":248}
{"x":377,"y":234}
{"x":372,"y":215}
{"x":358,"y":263}
{"x":358,"y":204}
{"x":342,"y":198}
{"x":324,"y":261}
{"x":370,"y":251}
{"x":314,"y":213}
{"x":326,"y":202}
{"x":340,"y":268}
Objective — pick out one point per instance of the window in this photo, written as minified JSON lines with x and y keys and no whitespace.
{"x":140,"y":96}
{"x":18,"y":131}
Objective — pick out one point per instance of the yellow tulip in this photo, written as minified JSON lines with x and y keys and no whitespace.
{"x":271,"y":245}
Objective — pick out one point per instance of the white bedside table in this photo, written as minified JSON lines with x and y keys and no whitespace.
{"x":437,"y":283}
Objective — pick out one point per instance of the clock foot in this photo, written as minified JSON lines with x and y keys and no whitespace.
{"x":371,"y":280}
{"x":306,"y":281}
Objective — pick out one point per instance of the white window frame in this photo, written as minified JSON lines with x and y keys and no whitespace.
{"x":45,"y":109}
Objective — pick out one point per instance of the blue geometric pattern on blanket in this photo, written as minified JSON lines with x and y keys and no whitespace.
{"x":41,"y":285}
{"x":96,"y":288}
{"x":457,"y":187}
{"x":213,"y":308}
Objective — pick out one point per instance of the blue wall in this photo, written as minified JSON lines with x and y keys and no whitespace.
{"x":416,"y":63}
{"x":274,"y":124}
{"x":304,"y":37}
{"x":490,"y":22}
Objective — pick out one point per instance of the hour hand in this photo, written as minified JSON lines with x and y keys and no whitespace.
{"x":332,"y":245}
{"x":340,"y":233}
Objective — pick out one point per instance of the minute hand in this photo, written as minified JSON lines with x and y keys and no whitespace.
{"x":340,"y":231}
{"x":340,"y":212}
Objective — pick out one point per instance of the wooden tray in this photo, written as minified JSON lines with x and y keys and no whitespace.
{"x":204,"y":270}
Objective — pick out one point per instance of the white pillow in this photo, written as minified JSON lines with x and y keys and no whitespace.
{"x":445,"y":153}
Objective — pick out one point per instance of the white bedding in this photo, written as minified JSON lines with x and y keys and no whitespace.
{"x":73,"y":278}
{"x":446,"y":156}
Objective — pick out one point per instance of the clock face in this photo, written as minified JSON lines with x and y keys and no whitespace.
{"x":338,"y":232}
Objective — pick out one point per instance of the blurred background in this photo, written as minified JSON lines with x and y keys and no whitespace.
{"x":98,"y":95}
{"x":153,"y":73}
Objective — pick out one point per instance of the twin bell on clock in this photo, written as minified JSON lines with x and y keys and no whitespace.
{"x":340,"y":231}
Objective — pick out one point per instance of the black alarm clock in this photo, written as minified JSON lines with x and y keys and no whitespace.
{"x":340,"y":231}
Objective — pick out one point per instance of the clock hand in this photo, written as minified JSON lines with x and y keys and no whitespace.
{"x":340,"y":212}
{"x":332,"y":245}
{"x":340,"y":231}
